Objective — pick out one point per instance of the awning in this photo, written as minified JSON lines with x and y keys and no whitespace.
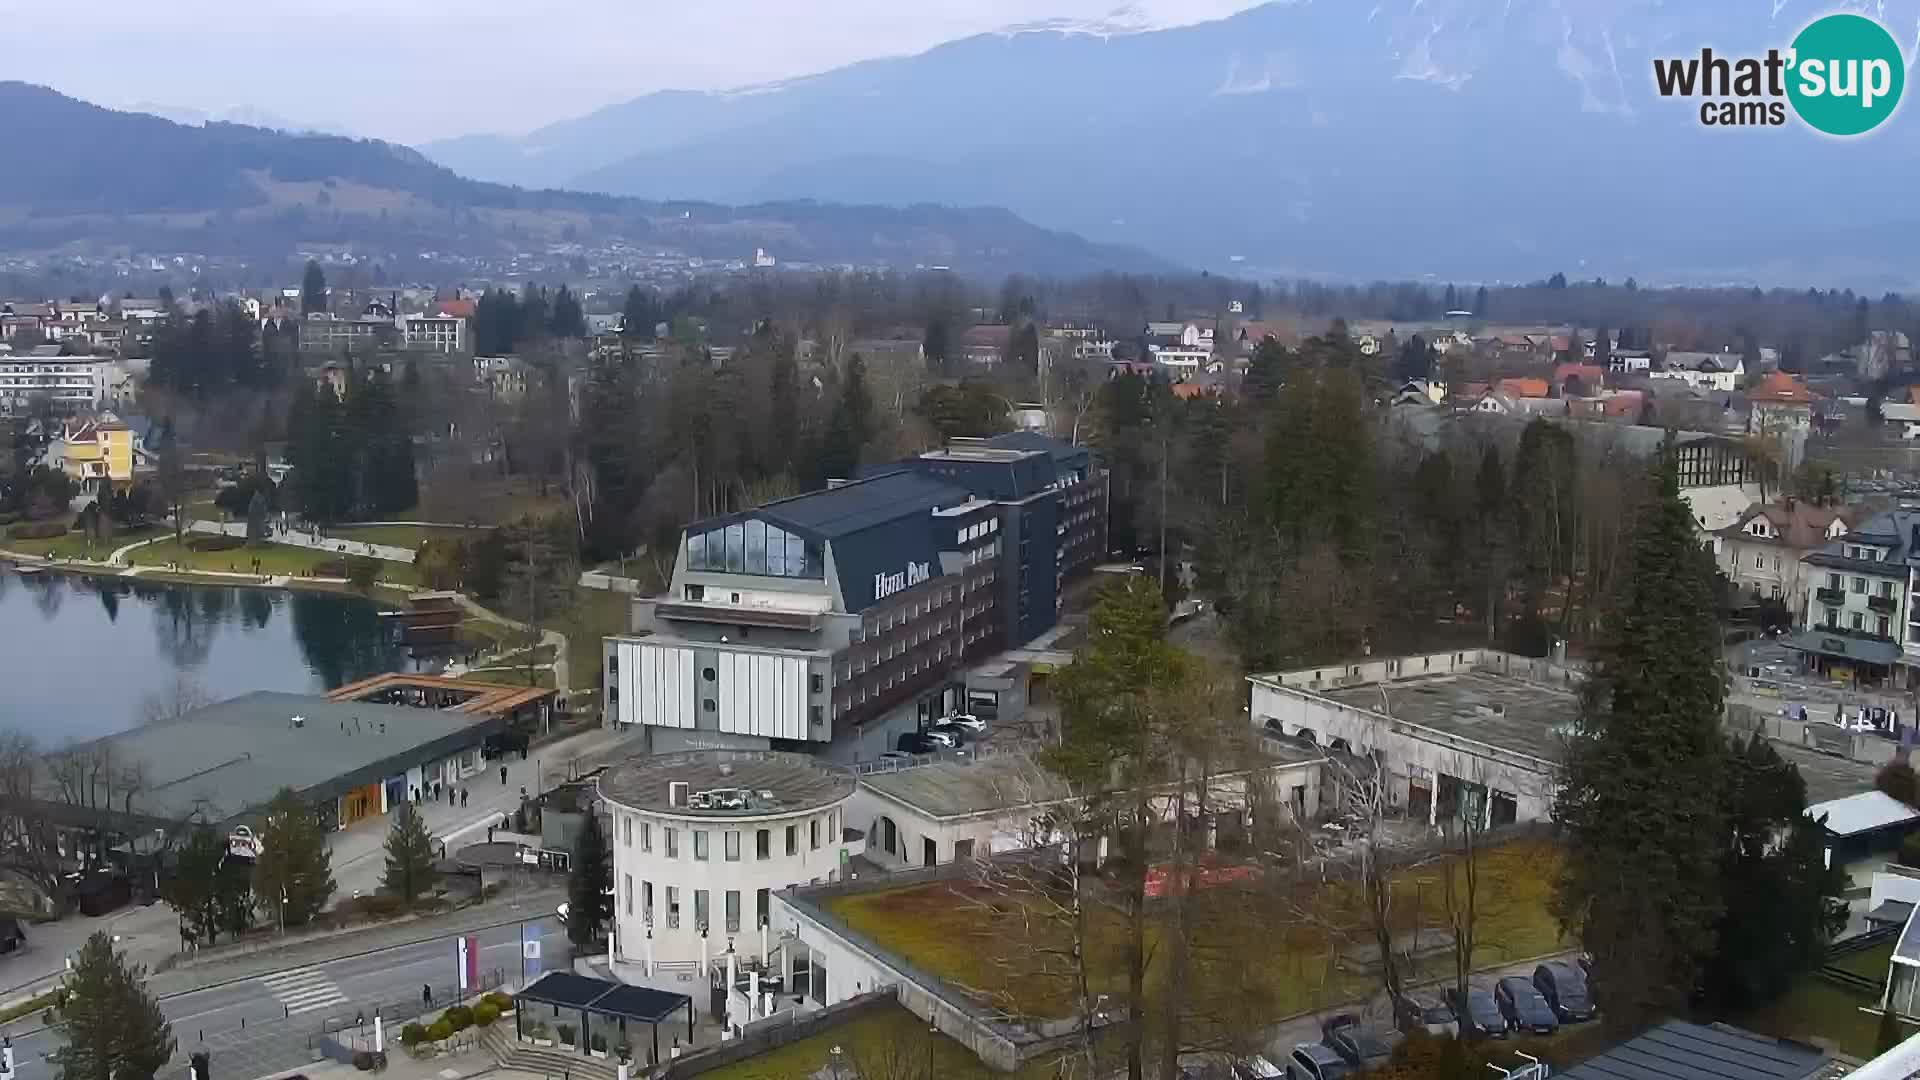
{"x":1841,"y":647}
{"x":1862,"y":813}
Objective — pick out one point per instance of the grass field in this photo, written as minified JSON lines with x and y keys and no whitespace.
{"x":592,"y":615}
{"x":1816,"y":1009}
{"x":400,"y":536}
{"x":984,"y":942}
{"x":77,"y":545}
{"x":274,"y":559}
{"x":893,"y":1042}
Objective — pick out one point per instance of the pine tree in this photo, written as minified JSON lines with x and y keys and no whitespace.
{"x":313,"y":290}
{"x":113,"y":1028}
{"x":850,"y":427}
{"x":293,"y":876}
{"x":589,"y":905}
{"x":638,"y":315}
{"x":409,"y":856}
{"x":1480,"y":303}
{"x":934,"y":345}
{"x":191,"y":890}
{"x":1641,"y":807}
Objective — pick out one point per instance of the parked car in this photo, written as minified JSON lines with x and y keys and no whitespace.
{"x":1564,"y":986}
{"x":1523,"y":1006}
{"x":1256,"y":1068}
{"x":965,"y":720}
{"x":960,"y":736}
{"x":1427,"y":1012}
{"x":1360,"y":1046}
{"x":915,"y":742}
{"x":1478,"y":1014}
{"x":1316,"y":1061}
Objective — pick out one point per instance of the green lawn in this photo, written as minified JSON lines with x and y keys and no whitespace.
{"x":984,"y":942}
{"x":274,"y":559}
{"x":1816,"y":1009}
{"x":592,"y":615}
{"x":400,"y":536}
{"x":77,"y":545}
{"x":892,"y":1042}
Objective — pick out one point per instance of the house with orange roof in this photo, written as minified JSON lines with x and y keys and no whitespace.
{"x":1524,"y":388}
{"x":1780,"y":405}
{"x":1587,"y":379}
{"x":97,"y":452}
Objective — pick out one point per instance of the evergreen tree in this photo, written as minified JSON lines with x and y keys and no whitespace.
{"x":1452,"y":301}
{"x":113,"y":1028}
{"x":323,"y":466}
{"x":1024,"y":349}
{"x":1414,"y":361}
{"x":293,"y":877}
{"x":1603,"y":349}
{"x":313,"y":290}
{"x":783,"y":397}
{"x":934,"y":346}
{"x":1267,"y":370}
{"x":850,"y":427}
{"x":567,"y":320}
{"x":1783,"y":902}
{"x":192,"y":889}
{"x":589,"y":902}
{"x":1480,"y":303}
{"x":639,"y":315}
{"x":409,"y":856}
{"x":1641,"y":807}
{"x":257,"y":516}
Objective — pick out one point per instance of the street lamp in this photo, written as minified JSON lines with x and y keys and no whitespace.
{"x":834,"y":1061}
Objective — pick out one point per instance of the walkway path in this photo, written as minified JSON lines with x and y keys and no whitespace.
{"x":553,"y":638}
{"x":304,"y":538}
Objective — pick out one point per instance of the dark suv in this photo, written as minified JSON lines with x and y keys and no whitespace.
{"x":1358,"y":1045}
{"x":1565,"y":988}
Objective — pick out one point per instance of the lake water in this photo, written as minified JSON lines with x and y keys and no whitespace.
{"x":85,"y":657}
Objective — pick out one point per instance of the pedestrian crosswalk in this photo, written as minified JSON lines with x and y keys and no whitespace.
{"x":302,"y":990}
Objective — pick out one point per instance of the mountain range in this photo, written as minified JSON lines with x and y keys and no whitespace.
{"x":107,"y":179}
{"x":1490,"y":139}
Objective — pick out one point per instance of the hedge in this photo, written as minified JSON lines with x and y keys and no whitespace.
{"x":215,"y":543}
{"x":38,"y":530}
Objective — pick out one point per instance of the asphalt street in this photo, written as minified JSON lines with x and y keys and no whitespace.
{"x":266,"y":1024}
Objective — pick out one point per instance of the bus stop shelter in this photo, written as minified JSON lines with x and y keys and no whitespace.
{"x":613,"y":1002}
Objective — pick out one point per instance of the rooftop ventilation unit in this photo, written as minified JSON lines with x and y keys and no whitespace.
{"x":677,"y":793}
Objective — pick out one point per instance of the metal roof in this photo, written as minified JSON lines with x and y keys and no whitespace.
{"x":773,"y":783}
{"x":1862,"y":813}
{"x":1677,"y":1050}
{"x":851,"y":508}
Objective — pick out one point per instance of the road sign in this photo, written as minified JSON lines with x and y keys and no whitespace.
{"x":530,"y":949}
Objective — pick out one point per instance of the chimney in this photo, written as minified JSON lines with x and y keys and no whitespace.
{"x":676,"y":793}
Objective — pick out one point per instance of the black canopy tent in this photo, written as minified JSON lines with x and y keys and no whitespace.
{"x":641,"y":1004}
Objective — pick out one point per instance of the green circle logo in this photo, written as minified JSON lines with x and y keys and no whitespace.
{"x":1846,"y":73}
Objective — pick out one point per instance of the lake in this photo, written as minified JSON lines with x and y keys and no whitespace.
{"x":86,"y":657}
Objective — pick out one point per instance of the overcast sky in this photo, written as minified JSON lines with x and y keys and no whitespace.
{"x":406,"y":73}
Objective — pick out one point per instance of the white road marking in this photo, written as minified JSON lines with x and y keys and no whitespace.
{"x":302,"y":990}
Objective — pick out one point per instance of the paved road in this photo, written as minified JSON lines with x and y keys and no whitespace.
{"x":264,"y":1024}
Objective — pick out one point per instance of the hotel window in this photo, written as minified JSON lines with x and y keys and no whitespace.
{"x":673,"y":907}
{"x":646,"y":837}
{"x":793,"y":840}
{"x":626,"y":886}
{"x":1859,"y":585}
{"x":646,"y":902}
{"x":699,"y":845}
{"x":626,"y":830}
{"x":1886,"y":589}
{"x":733,"y":911}
{"x":733,"y":845}
{"x":673,"y":841}
{"x":700,"y":910}
{"x":1883,"y":628}
{"x":1858,"y":620}
{"x":761,"y":906}
{"x":762,"y":843}
{"x":813,"y":827}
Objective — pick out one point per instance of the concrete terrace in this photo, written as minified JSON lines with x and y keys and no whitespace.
{"x":1515,"y":714}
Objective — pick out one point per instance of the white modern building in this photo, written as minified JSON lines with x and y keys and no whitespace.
{"x":701,"y":840}
{"x":435,"y":333}
{"x":69,"y":383}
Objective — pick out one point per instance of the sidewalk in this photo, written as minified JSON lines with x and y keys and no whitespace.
{"x":359,"y":852}
{"x":404,"y":1066}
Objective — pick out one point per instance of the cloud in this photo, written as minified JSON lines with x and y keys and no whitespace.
{"x":418,"y":72}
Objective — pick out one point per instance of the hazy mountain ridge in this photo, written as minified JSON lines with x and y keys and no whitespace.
{"x":230,"y":188}
{"x":1493,"y":138}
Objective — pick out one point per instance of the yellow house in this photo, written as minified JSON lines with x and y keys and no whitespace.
{"x":98,"y":451}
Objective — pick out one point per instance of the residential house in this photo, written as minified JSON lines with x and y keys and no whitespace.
{"x":1718,"y":479}
{"x":70,"y":384}
{"x":986,"y":345}
{"x":1579,"y":380}
{"x":1502,"y":403}
{"x":1761,"y":553}
{"x":1524,"y":388}
{"x":98,"y":451}
{"x":1903,"y":414}
{"x":1702,"y":370}
{"x":1420,"y":392}
{"x":1781,"y":408}
{"x":504,"y":377}
{"x":1856,"y":617}
{"x":1180,"y":360}
{"x":435,"y":333}
{"x":1630,"y":360}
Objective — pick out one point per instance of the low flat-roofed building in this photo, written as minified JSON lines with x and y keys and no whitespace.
{"x":1678,"y":1050}
{"x":940,"y":810}
{"x":224,"y":762}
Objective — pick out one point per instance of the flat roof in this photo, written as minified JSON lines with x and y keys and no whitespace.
{"x":1861,"y":813}
{"x":954,"y":789}
{"x":770,"y":782}
{"x":1828,"y":777}
{"x":233,"y":756}
{"x":1532,"y":719}
{"x":1677,"y":1050}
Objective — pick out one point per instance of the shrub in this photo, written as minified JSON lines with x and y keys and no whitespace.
{"x":215,"y":543}
{"x":411,"y":1034}
{"x":330,"y":568}
{"x":501,"y":1003}
{"x":539,"y":1031}
{"x":598,"y":1044}
{"x":362,"y":571}
{"x":440,"y":1031}
{"x":38,"y":530}
{"x":566,"y":1033}
{"x":363,"y":1060}
{"x":484,"y":1014}
{"x":624,"y":1051}
{"x":459,"y":1017}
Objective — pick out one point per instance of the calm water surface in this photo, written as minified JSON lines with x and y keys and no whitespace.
{"x":84,"y":657}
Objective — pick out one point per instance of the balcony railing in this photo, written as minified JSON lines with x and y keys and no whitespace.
{"x":1862,"y":635}
{"x":1831,"y":596}
{"x":1883,"y":604}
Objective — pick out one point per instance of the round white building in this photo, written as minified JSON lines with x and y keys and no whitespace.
{"x":701,"y":840}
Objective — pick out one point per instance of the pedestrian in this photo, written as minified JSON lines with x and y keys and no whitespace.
{"x":465,"y":793}
{"x":426,"y":994}
{"x":503,"y":776}
{"x":489,"y":832}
